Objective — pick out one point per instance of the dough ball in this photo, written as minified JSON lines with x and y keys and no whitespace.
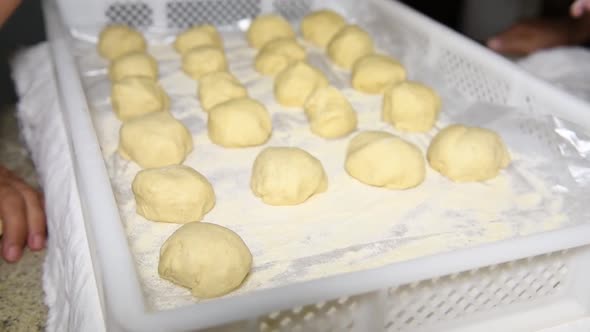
{"x":466,"y":154}
{"x":219,"y":87}
{"x":209,"y":259}
{"x":276,"y":55}
{"x":296,"y":83}
{"x":117,"y":40}
{"x":197,"y":36}
{"x":135,"y":96}
{"x":320,"y":26}
{"x":380,"y":159}
{"x":373,"y":73}
{"x":330,"y":114}
{"x":203,"y":60}
{"x":237,"y":123}
{"x":348,"y":45}
{"x":411,"y":106}
{"x":155,"y":140}
{"x":266,"y":28}
{"x":133,"y":64}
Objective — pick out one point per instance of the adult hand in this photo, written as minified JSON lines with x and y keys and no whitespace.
{"x":22,"y":215}
{"x":7,"y":7}
{"x":579,"y":7}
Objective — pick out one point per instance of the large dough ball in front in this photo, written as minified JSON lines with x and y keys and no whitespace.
{"x":467,"y":154}
{"x":209,"y":259}
{"x":411,"y":106}
{"x":238,"y":123}
{"x":266,"y":28}
{"x":287,"y":176}
{"x":135,"y":96}
{"x":175,"y":194}
{"x":348,"y":45}
{"x":320,"y":26}
{"x":132,"y":65}
{"x":155,"y":140}
{"x":219,"y":87}
{"x":116,"y":40}
{"x":197,"y":36}
{"x":276,"y":55}
{"x":296,"y":83}
{"x":203,"y":60}
{"x":373,"y":73}
{"x":329,"y":113}
{"x":381,"y":159}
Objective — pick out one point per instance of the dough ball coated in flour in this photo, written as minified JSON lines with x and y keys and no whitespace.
{"x":329,"y":113}
{"x":240,"y":122}
{"x":133,"y":64}
{"x":373,"y":73}
{"x":219,"y":87}
{"x":320,"y":26}
{"x":296,"y":83}
{"x":209,"y":259}
{"x":203,"y":60}
{"x":175,"y":194}
{"x":135,"y":96}
{"x":287,"y":176}
{"x":348,"y":45}
{"x":197,"y":36}
{"x":116,"y":40}
{"x":467,"y":154}
{"x":266,"y":28}
{"x":155,"y":140}
{"x":411,"y":106}
{"x":276,"y":55}
{"x":381,"y":159}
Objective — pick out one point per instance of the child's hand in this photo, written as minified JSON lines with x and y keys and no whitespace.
{"x":580,"y":7}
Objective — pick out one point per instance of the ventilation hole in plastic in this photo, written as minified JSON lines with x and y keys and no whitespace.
{"x":135,"y":14}
{"x":184,"y":14}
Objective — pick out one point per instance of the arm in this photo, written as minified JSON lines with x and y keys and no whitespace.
{"x":7,"y":7}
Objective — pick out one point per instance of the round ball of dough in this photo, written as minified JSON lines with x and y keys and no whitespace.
{"x":203,"y":60}
{"x":219,"y":87}
{"x":411,"y":106}
{"x":266,"y":28}
{"x":329,"y":113}
{"x":320,"y":26}
{"x":373,"y":73}
{"x":237,"y":123}
{"x":155,"y":140}
{"x":348,"y":45}
{"x":209,"y":259}
{"x":133,"y":64}
{"x":466,"y":154}
{"x":135,"y":96}
{"x":197,"y":36}
{"x":176,"y":194}
{"x":296,"y":83}
{"x":381,"y":159}
{"x":117,"y":40}
{"x":287,"y":176}
{"x":276,"y":55}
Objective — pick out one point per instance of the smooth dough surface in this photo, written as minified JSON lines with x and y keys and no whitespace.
{"x":133,"y":64}
{"x":116,"y":40}
{"x":135,"y":96}
{"x":208,"y":259}
{"x":348,"y":45}
{"x":411,"y":106}
{"x":197,"y":36}
{"x":329,"y":113}
{"x":240,"y":122}
{"x":381,"y":159}
{"x":373,"y":73}
{"x":468,"y":154}
{"x":266,"y":28}
{"x":219,"y":87}
{"x":276,"y":55}
{"x":175,"y":194}
{"x":287,"y":176}
{"x":296,"y":83}
{"x":155,"y":140}
{"x":320,"y":26}
{"x":203,"y":60}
